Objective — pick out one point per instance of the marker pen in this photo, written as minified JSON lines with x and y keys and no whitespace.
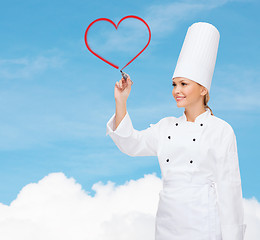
{"x":125,"y":75}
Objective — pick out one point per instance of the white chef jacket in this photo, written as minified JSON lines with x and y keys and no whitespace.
{"x":200,"y":173}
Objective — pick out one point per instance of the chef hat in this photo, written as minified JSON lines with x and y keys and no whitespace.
{"x":198,"y":54}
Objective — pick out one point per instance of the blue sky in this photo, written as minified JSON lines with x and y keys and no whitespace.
{"x":56,"y":97}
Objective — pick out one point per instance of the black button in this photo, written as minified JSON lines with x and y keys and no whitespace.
{"x":167,"y":160}
{"x":169,"y":137}
{"x":191,"y":161}
{"x":201,"y":124}
{"x":194,"y":139}
{"x":176,"y":124}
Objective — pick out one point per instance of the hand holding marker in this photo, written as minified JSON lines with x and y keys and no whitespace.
{"x":125,"y":76}
{"x":123,"y":88}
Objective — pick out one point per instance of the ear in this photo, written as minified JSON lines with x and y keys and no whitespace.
{"x":204,"y":91}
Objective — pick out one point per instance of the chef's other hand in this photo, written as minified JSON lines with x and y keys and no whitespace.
{"x":123,"y":89}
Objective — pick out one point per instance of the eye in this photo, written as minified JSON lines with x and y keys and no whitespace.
{"x":181,"y":83}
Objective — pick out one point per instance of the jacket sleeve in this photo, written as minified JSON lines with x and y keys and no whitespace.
{"x":229,"y":190}
{"x":131,"y":141}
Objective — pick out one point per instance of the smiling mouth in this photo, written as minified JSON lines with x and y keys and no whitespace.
{"x":179,"y":98}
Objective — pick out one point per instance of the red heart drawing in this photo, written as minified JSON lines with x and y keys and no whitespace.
{"x":116,"y":26}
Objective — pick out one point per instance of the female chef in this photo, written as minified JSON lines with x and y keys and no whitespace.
{"x":201,"y":197}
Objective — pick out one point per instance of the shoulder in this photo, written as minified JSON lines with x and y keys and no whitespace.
{"x":221,"y":125}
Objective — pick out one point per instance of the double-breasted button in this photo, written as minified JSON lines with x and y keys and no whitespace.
{"x":167,"y":160}
{"x":176,"y":124}
{"x":194,"y":139}
{"x":201,"y":124}
{"x":169,"y":137}
{"x":191,"y":161}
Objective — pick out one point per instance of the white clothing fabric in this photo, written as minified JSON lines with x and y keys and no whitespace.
{"x":201,"y":197}
{"x":198,"y":55}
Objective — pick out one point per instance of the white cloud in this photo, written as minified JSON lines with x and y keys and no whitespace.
{"x":236,"y":87}
{"x":164,"y":18}
{"x":58,"y":208}
{"x":27,"y":67}
{"x":132,"y":35}
{"x":252,"y":218}
{"x":41,"y":116}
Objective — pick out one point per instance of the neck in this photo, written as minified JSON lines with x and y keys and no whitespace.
{"x":191,"y":114}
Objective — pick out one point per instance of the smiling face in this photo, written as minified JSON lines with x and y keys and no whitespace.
{"x":188,"y":93}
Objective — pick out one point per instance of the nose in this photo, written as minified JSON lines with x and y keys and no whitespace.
{"x":176,"y":89}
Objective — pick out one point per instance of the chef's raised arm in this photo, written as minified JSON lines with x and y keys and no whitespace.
{"x":229,"y":190}
{"x":131,"y":141}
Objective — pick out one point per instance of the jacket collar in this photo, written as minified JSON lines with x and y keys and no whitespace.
{"x":198,"y":119}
